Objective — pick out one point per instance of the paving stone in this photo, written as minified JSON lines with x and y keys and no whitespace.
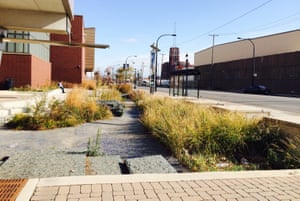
{"x":149,"y":164}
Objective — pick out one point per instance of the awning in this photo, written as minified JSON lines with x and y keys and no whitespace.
{"x":37,"y":15}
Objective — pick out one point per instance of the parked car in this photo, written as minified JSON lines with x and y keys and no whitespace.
{"x":257,"y":89}
{"x":145,"y":83}
{"x":115,"y":106}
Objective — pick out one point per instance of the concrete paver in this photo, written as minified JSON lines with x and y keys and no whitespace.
{"x":241,"y":186}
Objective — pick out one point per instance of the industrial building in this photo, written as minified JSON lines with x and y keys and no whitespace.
{"x":273,"y":61}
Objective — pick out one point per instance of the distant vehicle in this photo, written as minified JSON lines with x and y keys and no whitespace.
{"x":257,"y":89}
{"x":145,"y":83}
{"x":165,"y":83}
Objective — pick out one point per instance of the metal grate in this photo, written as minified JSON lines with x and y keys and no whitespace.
{"x":10,"y":188}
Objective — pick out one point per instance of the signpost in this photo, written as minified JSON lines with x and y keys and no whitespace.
{"x":152,"y":67}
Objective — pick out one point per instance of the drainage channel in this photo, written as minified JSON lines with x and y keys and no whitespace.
{"x":3,"y":160}
{"x":114,"y":165}
{"x":124,"y":168}
{"x":150,"y":164}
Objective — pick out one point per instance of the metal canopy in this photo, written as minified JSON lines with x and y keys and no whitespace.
{"x":51,"y":16}
{"x":37,"y":15}
{"x":56,"y":43}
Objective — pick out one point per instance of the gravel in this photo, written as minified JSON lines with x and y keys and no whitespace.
{"x":42,"y":164}
{"x":105,"y":165}
{"x":149,"y":164}
{"x":61,"y":152}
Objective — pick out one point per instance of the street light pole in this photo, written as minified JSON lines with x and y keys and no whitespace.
{"x":125,"y":72}
{"x":161,"y":69}
{"x":156,"y":50}
{"x":253,"y":59}
{"x":186,"y":74}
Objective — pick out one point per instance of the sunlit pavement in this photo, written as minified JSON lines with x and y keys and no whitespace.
{"x":243,"y":185}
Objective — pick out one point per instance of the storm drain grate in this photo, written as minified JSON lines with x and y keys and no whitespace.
{"x":10,"y":188}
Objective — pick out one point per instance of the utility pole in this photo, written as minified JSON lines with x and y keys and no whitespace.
{"x":212,"y":59}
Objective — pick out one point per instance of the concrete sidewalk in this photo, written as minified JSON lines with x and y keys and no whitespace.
{"x":245,"y":185}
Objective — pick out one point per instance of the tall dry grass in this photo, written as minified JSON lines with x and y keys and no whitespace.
{"x":196,"y":128}
{"x":77,"y":97}
{"x":200,"y":136}
{"x":79,"y":107}
{"x":110,"y":94}
{"x":89,"y":84}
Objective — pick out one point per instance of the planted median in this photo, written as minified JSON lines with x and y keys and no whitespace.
{"x":204,"y":139}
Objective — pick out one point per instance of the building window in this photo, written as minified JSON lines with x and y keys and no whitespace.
{"x":18,"y":47}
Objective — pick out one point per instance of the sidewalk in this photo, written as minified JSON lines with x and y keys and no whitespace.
{"x":246,"y":185}
{"x":243,"y":185}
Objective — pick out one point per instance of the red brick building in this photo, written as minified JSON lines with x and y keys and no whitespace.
{"x":37,"y":65}
{"x":68,"y":63}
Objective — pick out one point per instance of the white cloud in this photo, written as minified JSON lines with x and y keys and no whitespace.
{"x":130,"y":40}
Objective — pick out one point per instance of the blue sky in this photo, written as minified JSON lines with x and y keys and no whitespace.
{"x":131,"y":26}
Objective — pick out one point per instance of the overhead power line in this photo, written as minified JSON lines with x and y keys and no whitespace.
{"x":229,"y":22}
{"x":237,"y":18}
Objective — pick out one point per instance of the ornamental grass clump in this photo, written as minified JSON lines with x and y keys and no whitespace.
{"x":78,"y":108}
{"x":89,"y":84}
{"x":137,"y":95}
{"x":186,"y":126}
{"x":194,"y":132}
{"x":110,"y":94}
{"x":125,"y":88}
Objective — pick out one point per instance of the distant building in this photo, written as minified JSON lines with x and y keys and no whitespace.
{"x":276,"y":63}
{"x":170,"y":66}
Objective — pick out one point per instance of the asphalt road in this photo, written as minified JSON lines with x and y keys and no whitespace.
{"x":281,"y":103}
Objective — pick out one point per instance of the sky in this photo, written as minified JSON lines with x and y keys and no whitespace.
{"x":131,"y":26}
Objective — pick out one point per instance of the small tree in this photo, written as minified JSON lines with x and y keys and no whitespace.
{"x":124,"y":74}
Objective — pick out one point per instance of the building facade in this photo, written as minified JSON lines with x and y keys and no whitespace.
{"x":36,"y":65}
{"x":68,"y":63}
{"x":273,"y":61}
{"x":170,"y":66}
{"x":25,"y":64}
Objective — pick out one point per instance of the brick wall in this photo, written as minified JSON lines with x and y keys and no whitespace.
{"x":68,"y":63}
{"x":24,"y":70}
{"x":40,"y":72}
{"x":281,"y":73}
